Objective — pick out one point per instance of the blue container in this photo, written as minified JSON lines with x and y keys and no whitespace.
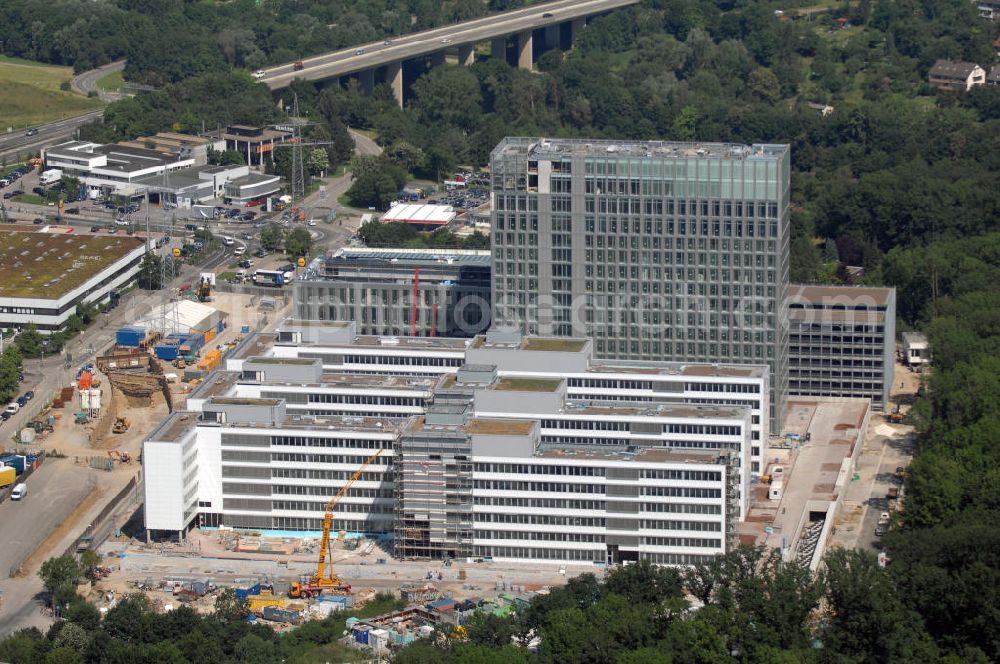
{"x":243,"y":593}
{"x":220,"y":327}
{"x":130,"y":337}
{"x":15,"y":461}
{"x":361,"y":634}
{"x":245,"y":329}
{"x":166,"y":351}
{"x":194,"y":342}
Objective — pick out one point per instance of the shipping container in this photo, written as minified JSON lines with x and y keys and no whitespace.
{"x":361,"y":634}
{"x":130,"y":337}
{"x":15,"y":461}
{"x":166,"y":351}
{"x":275,"y":614}
{"x":7,"y":476}
{"x":210,"y":361}
{"x":258,"y":603}
{"x":243,"y":593}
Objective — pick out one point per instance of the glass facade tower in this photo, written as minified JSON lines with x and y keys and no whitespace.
{"x":656,"y":250}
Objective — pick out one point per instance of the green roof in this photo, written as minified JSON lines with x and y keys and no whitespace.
{"x":49,"y":265}
{"x":528,"y":384}
{"x":554,"y":345}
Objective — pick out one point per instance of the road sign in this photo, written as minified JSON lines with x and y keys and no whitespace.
{"x":322,"y":192}
{"x":177,"y":252}
{"x":882,"y":559}
{"x":769,"y":530}
{"x":302,"y":261}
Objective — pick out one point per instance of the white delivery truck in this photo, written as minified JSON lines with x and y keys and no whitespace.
{"x":50,"y":176}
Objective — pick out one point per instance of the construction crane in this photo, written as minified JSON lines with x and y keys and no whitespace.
{"x":321,"y":581}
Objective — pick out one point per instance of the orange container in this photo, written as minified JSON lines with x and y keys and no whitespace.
{"x":85,"y":380}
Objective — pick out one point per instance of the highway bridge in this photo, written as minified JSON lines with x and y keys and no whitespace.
{"x":554,"y":23}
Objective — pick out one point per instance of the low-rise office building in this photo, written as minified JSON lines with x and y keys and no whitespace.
{"x":382,"y":289}
{"x":842,"y":342}
{"x":111,"y":170}
{"x":48,"y":275}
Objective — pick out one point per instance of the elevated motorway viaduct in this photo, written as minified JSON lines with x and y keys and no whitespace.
{"x":552,"y":23}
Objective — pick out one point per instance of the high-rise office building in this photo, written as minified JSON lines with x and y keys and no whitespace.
{"x":656,"y":250}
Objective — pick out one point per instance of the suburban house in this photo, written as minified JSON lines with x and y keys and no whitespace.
{"x":956,"y":76}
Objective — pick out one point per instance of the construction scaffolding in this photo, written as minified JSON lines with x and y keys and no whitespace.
{"x":433,"y":487}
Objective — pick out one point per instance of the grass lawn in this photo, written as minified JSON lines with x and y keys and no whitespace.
{"x":30,"y":94}
{"x":110,"y":83}
{"x":31,"y":199}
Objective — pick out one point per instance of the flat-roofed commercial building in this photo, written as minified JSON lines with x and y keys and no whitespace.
{"x":381,"y":290}
{"x":47,"y":275}
{"x":112,"y":169}
{"x":842,"y":342}
{"x":484,"y":460}
{"x":658,"y":251}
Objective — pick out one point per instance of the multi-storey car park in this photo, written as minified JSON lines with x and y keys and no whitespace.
{"x":496,"y":463}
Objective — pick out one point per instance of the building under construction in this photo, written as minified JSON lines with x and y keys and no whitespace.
{"x":494,"y":465}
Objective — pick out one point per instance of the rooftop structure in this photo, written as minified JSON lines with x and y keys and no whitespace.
{"x":956,"y":76}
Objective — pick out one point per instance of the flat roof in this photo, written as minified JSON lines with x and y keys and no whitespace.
{"x":413,"y":256}
{"x":496,"y":427}
{"x":269,"y":359}
{"x":174,"y":427}
{"x":430,"y":343}
{"x":552,"y":344}
{"x":513,"y":384}
{"x":838,"y":295}
{"x":658,"y":410}
{"x":677,"y":369}
{"x":47,"y":265}
{"x":243,"y":401}
{"x":553,"y":148}
{"x":413,"y":213}
{"x":645,"y":455}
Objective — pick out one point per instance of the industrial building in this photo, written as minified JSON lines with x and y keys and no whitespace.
{"x":488,"y":459}
{"x":656,"y":250}
{"x":399,"y":291}
{"x":842,"y":342}
{"x":48,"y":274}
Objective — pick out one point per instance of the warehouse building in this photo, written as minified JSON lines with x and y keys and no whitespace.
{"x":112,"y":170}
{"x":416,"y":292}
{"x":47,"y":275}
{"x":842,"y":342}
{"x":534,"y":472}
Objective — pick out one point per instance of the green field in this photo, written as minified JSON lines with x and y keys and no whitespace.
{"x":30,"y":94}
{"x":111,"y":83}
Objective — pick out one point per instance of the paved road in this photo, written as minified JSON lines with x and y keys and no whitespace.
{"x":86,"y":82}
{"x":16,"y":143}
{"x":54,"y":490}
{"x":371,"y":56}
{"x":364,"y":145}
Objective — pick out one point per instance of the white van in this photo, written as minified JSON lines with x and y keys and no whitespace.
{"x":12,"y":407}
{"x":228,"y":241}
{"x":19,"y":492}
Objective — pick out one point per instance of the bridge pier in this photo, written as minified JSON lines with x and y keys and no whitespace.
{"x":466,"y":55}
{"x":575,"y":27}
{"x":525,"y":47}
{"x":498,"y":48}
{"x":367,"y":80}
{"x":394,"y":77}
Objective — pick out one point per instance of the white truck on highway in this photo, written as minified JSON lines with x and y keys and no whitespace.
{"x":50,"y":176}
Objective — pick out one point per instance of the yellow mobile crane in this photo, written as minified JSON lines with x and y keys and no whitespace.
{"x":321,"y":581}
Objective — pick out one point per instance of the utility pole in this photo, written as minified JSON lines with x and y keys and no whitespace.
{"x":298,"y":168}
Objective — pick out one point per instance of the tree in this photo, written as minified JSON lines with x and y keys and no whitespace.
{"x":298,"y":242}
{"x":59,"y":576}
{"x":29,"y":342}
{"x":645,"y":583}
{"x":89,"y":562}
{"x":126,"y":621}
{"x":318,"y":161}
{"x":272,"y":237}
{"x":375,"y":189}
{"x":226,"y":157}
{"x":228,"y":608}
{"x":72,"y":636}
{"x":150,"y":275}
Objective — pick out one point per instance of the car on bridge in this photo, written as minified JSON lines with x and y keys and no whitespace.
{"x":259,"y":74}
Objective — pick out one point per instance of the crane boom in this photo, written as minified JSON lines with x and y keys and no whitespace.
{"x":324,"y":545}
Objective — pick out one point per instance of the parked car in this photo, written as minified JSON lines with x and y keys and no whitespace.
{"x":29,"y":395}
{"x":246,"y":263}
{"x":72,"y":210}
{"x":12,"y":407}
{"x":4,"y":416}
{"x":94,"y":229}
{"x":22,"y":401}
{"x":38,"y":220}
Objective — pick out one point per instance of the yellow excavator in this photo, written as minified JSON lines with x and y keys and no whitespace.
{"x":321,"y":581}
